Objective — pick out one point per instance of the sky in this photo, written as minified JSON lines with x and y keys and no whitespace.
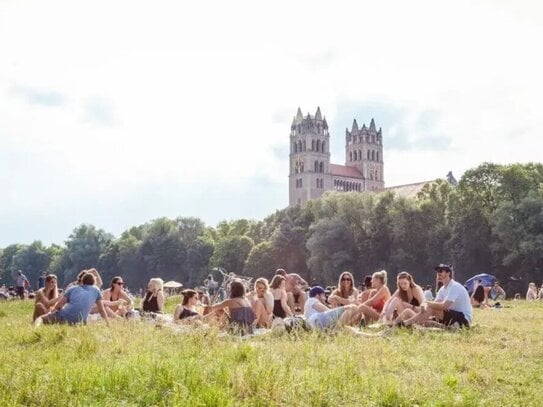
{"x":115,"y":113}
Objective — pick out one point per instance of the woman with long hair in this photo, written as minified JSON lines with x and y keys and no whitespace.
{"x":408,"y":295}
{"x":345,"y":293}
{"x":262,"y":302}
{"x":241,"y":314}
{"x":154,"y":298}
{"x":115,"y":298}
{"x":278,"y":290}
{"x":373,"y":306}
{"x":46,"y":297}
{"x":186,"y":311}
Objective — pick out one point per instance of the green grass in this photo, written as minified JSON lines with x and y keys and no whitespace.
{"x":498,"y":362}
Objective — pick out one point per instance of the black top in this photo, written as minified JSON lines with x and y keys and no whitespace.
{"x":186,"y":313}
{"x":414,"y":302}
{"x":278,"y":310}
{"x":150,"y":303}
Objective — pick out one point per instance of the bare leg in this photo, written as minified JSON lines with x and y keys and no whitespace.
{"x":370,"y":314}
{"x":302,"y":298}
{"x":39,"y":310}
{"x":351,"y":316}
{"x":290,"y":301}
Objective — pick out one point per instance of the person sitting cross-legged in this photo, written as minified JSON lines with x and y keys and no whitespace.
{"x":451,"y":306}
{"x":408,"y":295}
{"x":46,"y":297}
{"x":346,"y":293}
{"x":75,"y":304}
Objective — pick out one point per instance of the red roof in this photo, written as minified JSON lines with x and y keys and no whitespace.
{"x":344,"y":171}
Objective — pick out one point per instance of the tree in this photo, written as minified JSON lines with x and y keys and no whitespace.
{"x":83,"y":249}
{"x":231,"y":253}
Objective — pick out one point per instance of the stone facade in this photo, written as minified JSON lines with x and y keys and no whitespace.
{"x":311,"y":173}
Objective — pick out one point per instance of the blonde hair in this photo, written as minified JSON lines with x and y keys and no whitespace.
{"x":158,"y":284}
{"x":381,"y":275}
{"x":262,"y":281}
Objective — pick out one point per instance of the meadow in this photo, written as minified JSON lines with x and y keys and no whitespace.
{"x":497,"y":362}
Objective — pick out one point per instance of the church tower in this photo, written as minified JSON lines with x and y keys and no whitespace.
{"x":309,"y":169}
{"x":364,"y":151}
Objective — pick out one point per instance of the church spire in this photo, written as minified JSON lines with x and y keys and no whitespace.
{"x":299,"y":116}
{"x":372,"y":125}
{"x":318,"y":115}
{"x":355,"y":126}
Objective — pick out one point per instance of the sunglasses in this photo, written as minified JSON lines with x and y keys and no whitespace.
{"x":119,"y":283}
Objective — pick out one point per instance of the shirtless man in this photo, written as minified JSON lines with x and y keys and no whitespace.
{"x":295,"y":288}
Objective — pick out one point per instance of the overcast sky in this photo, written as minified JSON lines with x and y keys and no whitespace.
{"x":118,"y":112}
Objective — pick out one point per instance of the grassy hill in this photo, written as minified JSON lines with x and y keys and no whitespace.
{"x":498,"y":362}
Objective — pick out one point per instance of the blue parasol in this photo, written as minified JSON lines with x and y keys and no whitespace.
{"x":486,"y":279}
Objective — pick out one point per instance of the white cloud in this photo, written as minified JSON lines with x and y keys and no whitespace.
{"x":201,"y":97}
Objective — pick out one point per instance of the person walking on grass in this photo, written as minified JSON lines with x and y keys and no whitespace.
{"x":75,"y":305}
{"x":21,"y":284}
{"x":451,"y":306}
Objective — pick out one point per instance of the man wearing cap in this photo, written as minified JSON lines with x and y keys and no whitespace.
{"x":319,"y":316}
{"x":452,"y":304}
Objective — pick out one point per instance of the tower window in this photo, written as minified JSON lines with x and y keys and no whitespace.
{"x":318,"y":145}
{"x":321,"y":167}
{"x":369,"y":154}
{"x":316,"y":169}
{"x":322,"y":146}
{"x":377,"y":156}
{"x":354,"y":155}
{"x":373,"y":155}
{"x":312,"y":145}
{"x":350,"y":155}
{"x":294,"y":148}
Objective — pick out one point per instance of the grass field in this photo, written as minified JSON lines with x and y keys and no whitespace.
{"x":499,"y":362}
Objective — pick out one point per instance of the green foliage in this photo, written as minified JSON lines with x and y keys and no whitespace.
{"x":231,"y":252}
{"x":490,"y":222}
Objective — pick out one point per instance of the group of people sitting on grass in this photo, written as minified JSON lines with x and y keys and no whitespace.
{"x":286,"y":297}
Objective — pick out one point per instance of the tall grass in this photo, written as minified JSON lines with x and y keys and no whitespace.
{"x":497,"y":362}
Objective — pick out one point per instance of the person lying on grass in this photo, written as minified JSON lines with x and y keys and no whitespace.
{"x":408,"y":295}
{"x":373,"y":306}
{"x":46,"y":297}
{"x":319,"y":316}
{"x":452,"y":304}
{"x":75,"y":305}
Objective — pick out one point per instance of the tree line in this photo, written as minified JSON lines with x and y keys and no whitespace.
{"x":491,"y":222}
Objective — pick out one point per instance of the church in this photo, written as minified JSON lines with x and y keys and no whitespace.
{"x":311,"y":173}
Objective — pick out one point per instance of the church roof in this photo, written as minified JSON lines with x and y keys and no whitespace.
{"x":345,"y":171}
{"x":408,"y":190}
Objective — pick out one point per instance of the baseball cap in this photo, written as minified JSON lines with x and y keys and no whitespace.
{"x":316,"y":291}
{"x":443,"y":267}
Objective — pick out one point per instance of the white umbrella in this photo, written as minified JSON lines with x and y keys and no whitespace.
{"x":172,"y":284}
